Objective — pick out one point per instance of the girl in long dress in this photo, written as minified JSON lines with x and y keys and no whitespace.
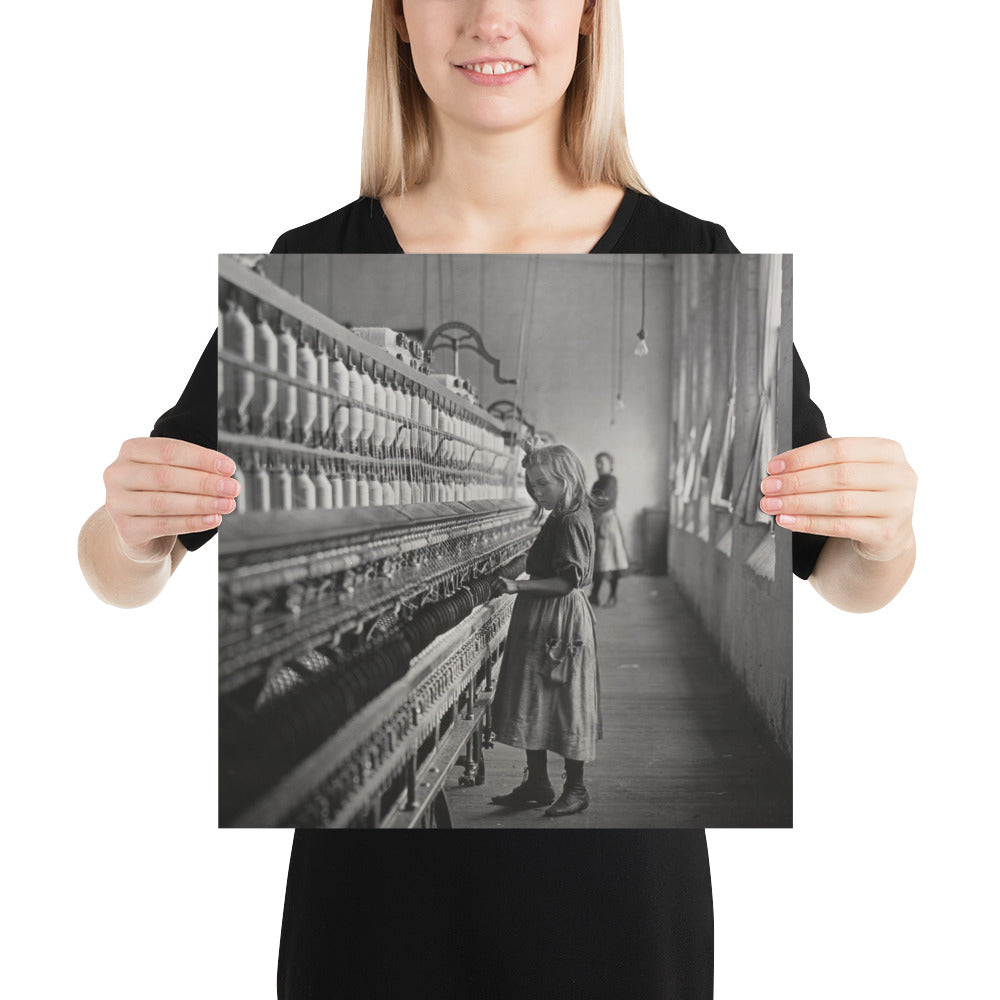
{"x":548,"y":690}
{"x":611,"y":555}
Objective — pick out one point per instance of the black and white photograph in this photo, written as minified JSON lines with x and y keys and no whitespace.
{"x":498,"y":559}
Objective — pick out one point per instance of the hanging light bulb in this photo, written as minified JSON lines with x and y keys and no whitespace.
{"x":619,"y":402}
{"x":641,"y":348}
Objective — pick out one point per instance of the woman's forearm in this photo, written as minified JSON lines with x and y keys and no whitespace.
{"x":113,"y":576}
{"x":553,"y":586}
{"x":853,"y":583}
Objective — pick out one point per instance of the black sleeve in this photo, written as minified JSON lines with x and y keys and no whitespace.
{"x":719,"y":240}
{"x":808,"y":425}
{"x":194,"y":418}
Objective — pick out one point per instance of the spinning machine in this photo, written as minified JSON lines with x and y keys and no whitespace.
{"x":361,"y":620}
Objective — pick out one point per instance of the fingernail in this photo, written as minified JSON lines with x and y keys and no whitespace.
{"x":771,"y":485}
{"x":210,"y":519}
{"x":223,"y":505}
{"x":225,"y":466}
{"x":786,"y":519}
{"x":771,"y":504}
{"x":775,"y":465}
{"x":228,"y":487}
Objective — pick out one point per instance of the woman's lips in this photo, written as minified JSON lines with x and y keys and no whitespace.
{"x":493,"y":74}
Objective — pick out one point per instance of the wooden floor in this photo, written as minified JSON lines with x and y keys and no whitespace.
{"x":677,"y":751}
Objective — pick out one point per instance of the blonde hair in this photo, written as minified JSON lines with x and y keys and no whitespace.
{"x":396,"y":141}
{"x":563,"y":463}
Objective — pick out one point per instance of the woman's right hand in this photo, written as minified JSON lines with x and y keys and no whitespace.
{"x":159,"y":488}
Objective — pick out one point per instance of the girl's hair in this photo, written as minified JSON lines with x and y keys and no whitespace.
{"x":396,"y":142}
{"x":607,"y":455}
{"x":562,"y":462}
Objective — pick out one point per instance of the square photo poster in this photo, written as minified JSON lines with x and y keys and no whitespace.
{"x":497,"y":559}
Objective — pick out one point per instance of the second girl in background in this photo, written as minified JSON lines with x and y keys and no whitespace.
{"x":611,"y":555}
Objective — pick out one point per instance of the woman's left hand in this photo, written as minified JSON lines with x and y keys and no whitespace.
{"x":856,"y":488}
{"x":509,"y":586}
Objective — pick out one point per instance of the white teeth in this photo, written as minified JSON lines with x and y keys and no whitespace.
{"x":495,"y":69}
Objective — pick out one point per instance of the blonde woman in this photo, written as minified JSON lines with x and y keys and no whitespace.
{"x":497,"y":126}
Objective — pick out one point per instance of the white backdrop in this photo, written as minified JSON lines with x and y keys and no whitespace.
{"x":144,"y":139}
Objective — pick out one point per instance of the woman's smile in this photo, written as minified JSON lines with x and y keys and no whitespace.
{"x":493,"y":73}
{"x":493,"y":45}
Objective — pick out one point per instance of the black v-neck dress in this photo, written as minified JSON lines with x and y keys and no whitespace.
{"x":511,"y":914}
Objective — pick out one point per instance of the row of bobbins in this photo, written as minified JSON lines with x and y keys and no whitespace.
{"x":272,"y":480}
{"x":317,"y":425}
